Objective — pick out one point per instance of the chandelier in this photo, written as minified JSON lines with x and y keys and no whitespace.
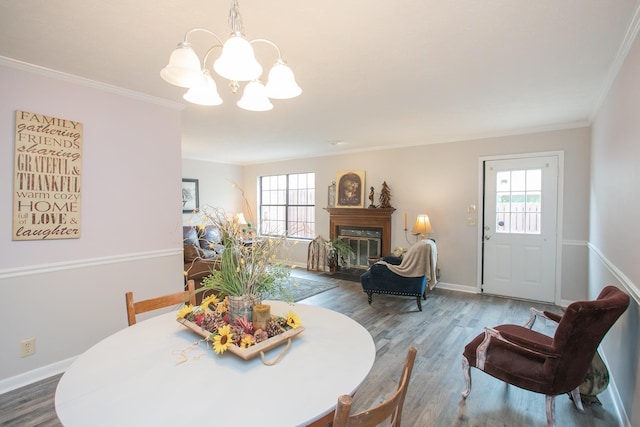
{"x":237,"y":63}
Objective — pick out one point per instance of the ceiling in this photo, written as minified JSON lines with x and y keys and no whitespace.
{"x":374,"y":74}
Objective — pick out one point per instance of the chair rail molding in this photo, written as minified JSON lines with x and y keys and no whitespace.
{"x":633,"y":290}
{"x":89,"y":262}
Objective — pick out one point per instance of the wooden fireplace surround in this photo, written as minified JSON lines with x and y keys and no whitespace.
{"x":363,"y":217}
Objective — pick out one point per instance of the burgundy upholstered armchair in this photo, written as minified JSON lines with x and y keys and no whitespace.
{"x":542,"y":364}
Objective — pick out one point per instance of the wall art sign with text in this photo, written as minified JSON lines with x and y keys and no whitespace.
{"x":47,"y":177}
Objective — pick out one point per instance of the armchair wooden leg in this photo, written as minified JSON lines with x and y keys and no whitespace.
{"x":466,"y":371}
{"x":369,"y":297}
{"x":419,"y":303}
{"x":577,"y":400}
{"x":550,"y":403}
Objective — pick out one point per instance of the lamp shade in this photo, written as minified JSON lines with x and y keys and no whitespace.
{"x":205,"y":93}
{"x":282,"y":84}
{"x":422,"y":225}
{"x":237,"y":61}
{"x":183,"y":68}
{"x":240,"y":219}
{"x":255,"y":97}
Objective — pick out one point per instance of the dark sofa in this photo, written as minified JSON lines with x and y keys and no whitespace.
{"x":378,"y":279}
{"x":202,"y":249}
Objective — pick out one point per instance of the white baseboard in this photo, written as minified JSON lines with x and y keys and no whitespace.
{"x":612,"y":390}
{"x":456,"y":287}
{"x":36,"y":375}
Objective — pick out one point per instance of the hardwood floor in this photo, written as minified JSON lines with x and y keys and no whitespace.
{"x":448,"y":321}
{"x":31,"y":405}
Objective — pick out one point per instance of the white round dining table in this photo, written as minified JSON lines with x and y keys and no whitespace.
{"x":154,"y":374}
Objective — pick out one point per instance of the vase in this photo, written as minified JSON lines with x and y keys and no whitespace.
{"x":596,"y":380}
{"x":332,"y":262}
{"x":242,"y":306}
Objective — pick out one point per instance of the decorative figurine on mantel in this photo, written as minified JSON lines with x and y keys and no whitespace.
{"x":371,"y":197}
{"x":385,"y":196}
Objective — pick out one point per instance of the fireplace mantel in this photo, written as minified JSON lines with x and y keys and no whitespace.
{"x":363,"y":217}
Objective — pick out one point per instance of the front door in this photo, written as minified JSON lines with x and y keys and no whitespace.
{"x":520,"y":221}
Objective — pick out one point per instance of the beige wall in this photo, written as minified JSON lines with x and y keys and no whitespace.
{"x":443,"y":179}
{"x":615,"y":228}
{"x":218,"y":184}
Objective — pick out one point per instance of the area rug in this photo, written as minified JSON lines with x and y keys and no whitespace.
{"x":300,"y":289}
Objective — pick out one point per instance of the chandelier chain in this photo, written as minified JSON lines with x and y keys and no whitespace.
{"x":235,"y":20}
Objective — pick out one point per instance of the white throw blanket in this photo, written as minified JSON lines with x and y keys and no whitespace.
{"x":420,"y":260}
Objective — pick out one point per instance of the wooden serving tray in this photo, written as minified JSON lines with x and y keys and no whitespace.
{"x":254,"y":350}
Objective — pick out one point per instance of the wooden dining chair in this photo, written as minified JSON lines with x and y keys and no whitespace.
{"x":143,"y":306}
{"x":390,"y":408}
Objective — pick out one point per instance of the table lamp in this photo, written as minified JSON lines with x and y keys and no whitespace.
{"x":422,"y":227}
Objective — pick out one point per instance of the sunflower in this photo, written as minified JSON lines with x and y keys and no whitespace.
{"x":186,"y":309}
{"x":247,"y":341}
{"x":293,"y":320}
{"x":211,"y":299}
{"x":223,"y":307}
{"x":223,"y":340}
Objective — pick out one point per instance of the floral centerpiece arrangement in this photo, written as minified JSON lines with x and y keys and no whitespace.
{"x":250,"y":266}
{"x":212,"y":316}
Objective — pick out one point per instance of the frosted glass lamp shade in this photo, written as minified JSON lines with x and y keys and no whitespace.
{"x":255,"y":97}
{"x":282,"y":84}
{"x":183,"y":68}
{"x":422,"y":225}
{"x":205,"y":93}
{"x":237,"y":61}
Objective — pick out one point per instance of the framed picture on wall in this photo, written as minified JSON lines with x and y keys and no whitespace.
{"x":190,"y":200}
{"x":350,"y":189}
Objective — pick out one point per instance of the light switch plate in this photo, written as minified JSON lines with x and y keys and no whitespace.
{"x":471,"y":209}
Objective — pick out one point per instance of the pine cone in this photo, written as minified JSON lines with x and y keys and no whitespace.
{"x":212,"y":321}
{"x":236,"y":334}
{"x":273,"y":329}
{"x":261,"y":335}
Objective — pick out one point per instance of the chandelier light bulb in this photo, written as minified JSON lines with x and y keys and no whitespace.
{"x":282,"y":84}
{"x":255,"y":97}
{"x":238,"y":62}
{"x":184,"y":68}
{"x":205,"y":93}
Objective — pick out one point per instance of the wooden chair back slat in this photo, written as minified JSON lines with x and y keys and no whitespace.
{"x":151,"y":304}
{"x":389,"y":409}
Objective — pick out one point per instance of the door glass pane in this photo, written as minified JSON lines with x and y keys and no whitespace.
{"x":534,"y":180}
{"x":518,"y":201}
{"x":518,"y":180}
{"x":503,"y":181}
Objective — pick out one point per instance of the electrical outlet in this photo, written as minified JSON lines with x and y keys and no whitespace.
{"x":27,"y":347}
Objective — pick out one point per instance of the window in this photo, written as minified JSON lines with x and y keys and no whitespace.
{"x":287,"y":205}
{"x":518,"y":201}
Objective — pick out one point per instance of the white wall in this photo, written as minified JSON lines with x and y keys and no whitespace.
{"x":442,"y":179}
{"x":614,"y":225}
{"x":69,"y":294}
{"x":220,"y":185}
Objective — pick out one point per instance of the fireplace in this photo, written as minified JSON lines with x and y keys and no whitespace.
{"x":365,"y":242}
{"x":368,"y":232}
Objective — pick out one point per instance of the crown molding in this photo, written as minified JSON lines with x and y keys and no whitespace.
{"x":71,"y":78}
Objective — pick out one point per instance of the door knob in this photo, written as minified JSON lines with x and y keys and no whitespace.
{"x":487,"y":236}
